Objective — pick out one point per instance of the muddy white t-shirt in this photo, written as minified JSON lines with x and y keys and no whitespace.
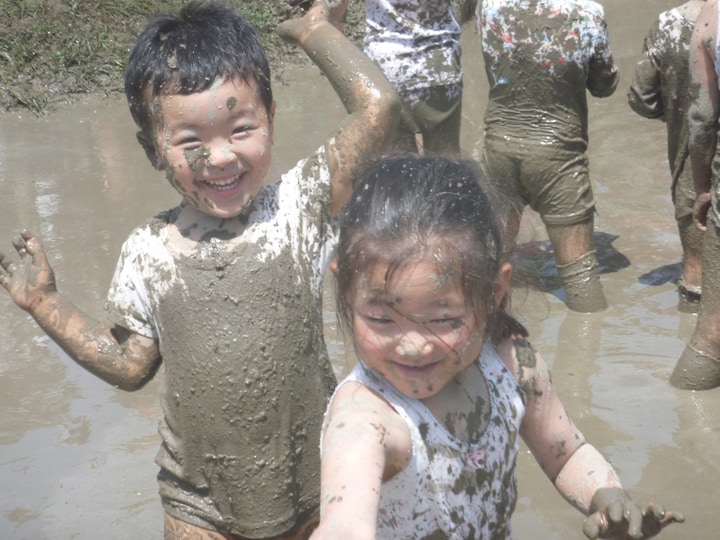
{"x":246,"y":372}
{"x":540,"y":57}
{"x":416,"y":44}
{"x":453,"y":489}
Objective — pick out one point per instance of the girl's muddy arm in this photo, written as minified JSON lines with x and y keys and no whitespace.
{"x":361,"y":437}
{"x":579,"y":472}
{"x":116,"y":355}
{"x":371,"y":101}
{"x":704,"y":107}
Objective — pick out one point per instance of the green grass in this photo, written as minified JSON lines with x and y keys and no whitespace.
{"x":54,"y":51}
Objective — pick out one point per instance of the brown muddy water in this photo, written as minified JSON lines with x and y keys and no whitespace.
{"x":76,"y":455}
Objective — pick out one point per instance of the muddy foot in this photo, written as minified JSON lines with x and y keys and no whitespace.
{"x":296,"y":30}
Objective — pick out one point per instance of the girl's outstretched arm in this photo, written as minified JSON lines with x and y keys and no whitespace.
{"x":578,"y":471}
{"x":364,"y":442}
{"x":369,"y":98}
{"x":116,"y":355}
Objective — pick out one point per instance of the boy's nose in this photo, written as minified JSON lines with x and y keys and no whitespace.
{"x":219,"y":156}
{"x":413,"y":345}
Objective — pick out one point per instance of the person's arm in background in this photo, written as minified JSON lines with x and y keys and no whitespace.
{"x":645,"y":94}
{"x":603,"y":75}
{"x":704,"y":107}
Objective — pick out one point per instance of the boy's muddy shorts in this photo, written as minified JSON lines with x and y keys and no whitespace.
{"x":436,"y":112}
{"x":683,"y":192}
{"x":553,"y":181}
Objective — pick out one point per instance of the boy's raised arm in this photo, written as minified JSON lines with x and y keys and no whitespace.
{"x":369,"y":98}
{"x":116,"y":355}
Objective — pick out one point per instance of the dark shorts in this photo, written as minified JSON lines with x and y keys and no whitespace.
{"x":436,"y":113}
{"x":553,"y":181}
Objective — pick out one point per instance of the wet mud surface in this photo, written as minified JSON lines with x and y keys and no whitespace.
{"x":76,"y":455}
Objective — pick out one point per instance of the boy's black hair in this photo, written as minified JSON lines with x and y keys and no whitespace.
{"x":186,"y":53}
{"x":407,"y":204}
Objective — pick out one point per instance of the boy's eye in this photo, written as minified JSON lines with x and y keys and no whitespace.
{"x":188,"y":141}
{"x":241,"y":130}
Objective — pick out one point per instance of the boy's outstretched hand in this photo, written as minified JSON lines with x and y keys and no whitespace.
{"x":30,"y":279}
{"x":613,"y":514}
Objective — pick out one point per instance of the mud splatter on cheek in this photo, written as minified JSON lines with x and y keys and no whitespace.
{"x":193,"y":156}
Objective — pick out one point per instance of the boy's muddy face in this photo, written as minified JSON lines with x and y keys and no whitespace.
{"x":215,"y":145}
{"x":415,"y":329}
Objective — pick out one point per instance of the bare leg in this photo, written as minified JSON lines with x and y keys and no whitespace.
{"x":691,"y":238}
{"x":578,"y":266}
{"x":699,"y":365}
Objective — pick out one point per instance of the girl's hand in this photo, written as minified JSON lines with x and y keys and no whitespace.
{"x":613,"y":514}
{"x":31,"y":279}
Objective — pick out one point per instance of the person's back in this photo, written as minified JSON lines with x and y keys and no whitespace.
{"x":417,"y":46}
{"x":539,"y":59}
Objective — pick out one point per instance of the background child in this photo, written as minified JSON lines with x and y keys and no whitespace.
{"x":661,"y":89}
{"x":541,"y":59}
{"x":421,"y":439}
{"x":417,"y":46}
{"x":224,"y":290}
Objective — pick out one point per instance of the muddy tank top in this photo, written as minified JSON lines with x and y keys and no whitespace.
{"x":453,"y":489}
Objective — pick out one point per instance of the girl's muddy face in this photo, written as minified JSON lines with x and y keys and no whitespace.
{"x":416,"y":329}
{"x":215,"y":145}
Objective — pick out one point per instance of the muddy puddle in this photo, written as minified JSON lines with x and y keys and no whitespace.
{"x":76,"y":455}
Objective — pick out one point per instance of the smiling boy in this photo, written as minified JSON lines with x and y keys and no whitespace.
{"x":224,"y":290}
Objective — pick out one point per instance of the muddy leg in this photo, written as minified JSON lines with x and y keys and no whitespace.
{"x":577,"y":266}
{"x":690,"y":283}
{"x":699,"y":365}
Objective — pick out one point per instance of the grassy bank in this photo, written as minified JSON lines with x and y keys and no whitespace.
{"x":54,"y":52}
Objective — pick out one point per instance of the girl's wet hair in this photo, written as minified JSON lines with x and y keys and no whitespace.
{"x":409,"y":207}
{"x":188,"y":52}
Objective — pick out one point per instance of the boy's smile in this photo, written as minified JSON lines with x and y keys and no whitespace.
{"x":215,"y":145}
{"x":417,"y":329}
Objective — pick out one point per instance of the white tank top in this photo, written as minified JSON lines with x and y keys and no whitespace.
{"x":451,"y":488}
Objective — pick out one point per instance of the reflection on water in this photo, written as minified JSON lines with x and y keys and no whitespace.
{"x":76,"y":456}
